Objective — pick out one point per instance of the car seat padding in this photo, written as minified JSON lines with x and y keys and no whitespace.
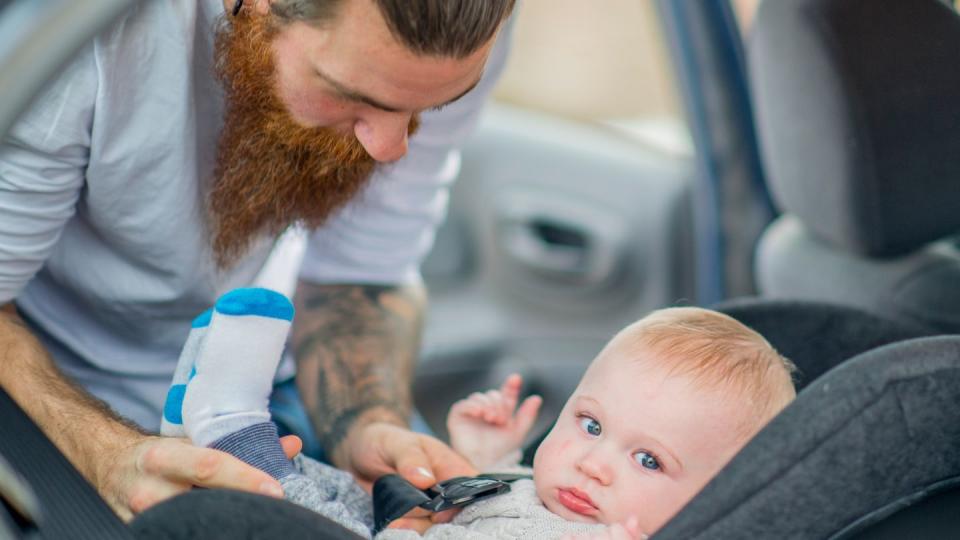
{"x":879,"y":431}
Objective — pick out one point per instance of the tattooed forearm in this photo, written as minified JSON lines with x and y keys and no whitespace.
{"x":356,"y":347}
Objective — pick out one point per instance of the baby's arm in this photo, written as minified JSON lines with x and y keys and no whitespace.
{"x":486,"y":427}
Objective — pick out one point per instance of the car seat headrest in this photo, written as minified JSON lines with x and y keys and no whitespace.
{"x":818,"y":336}
{"x":856,"y":105}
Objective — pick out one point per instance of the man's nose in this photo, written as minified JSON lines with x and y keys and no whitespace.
{"x":595,"y":464}
{"x":383,"y":135}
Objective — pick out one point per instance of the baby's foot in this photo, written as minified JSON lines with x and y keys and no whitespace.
{"x":235,"y":366}
{"x":171,"y":425}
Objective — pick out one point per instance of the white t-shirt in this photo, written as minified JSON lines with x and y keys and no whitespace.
{"x":103,"y":242}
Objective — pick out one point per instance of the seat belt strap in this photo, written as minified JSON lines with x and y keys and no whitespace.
{"x":63,"y":504}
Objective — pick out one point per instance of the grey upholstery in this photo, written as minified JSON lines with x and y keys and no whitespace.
{"x":922,"y":287}
{"x":818,"y":336}
{"x":865,"y":440}
{"x":859,"y":125}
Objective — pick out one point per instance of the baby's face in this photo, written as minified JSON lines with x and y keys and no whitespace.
{"x":634,"y":440}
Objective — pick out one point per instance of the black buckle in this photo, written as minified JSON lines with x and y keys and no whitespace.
{"x":461,"y":491}
{"x":393,"y":496}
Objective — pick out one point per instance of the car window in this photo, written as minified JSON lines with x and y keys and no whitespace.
{"x":607,"y":66}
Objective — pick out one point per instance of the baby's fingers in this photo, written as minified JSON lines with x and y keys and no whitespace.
{"x":471,"y":407}
{"x":527,"y":413}
{"x":629,"y":530}
{"x":498,"y":410}
{"x":510,"y":389}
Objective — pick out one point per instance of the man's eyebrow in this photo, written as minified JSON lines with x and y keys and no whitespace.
{"x":353,"y":95}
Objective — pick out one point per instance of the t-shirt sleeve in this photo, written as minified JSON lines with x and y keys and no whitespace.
{"x":384,"y":234}
{"x":42,"y":164}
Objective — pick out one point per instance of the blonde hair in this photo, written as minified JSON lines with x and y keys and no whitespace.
{"x":716,"y":352}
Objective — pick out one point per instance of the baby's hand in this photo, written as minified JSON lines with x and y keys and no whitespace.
{"x":629,"y":530}
{"x":486,"y":427}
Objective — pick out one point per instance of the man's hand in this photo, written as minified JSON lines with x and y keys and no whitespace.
{"x":486,"y":427}
{"x":380,"y":448}
{"x":153,"y":469}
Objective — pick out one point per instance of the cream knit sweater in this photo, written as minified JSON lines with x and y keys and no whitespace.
{"x":514,"y":515}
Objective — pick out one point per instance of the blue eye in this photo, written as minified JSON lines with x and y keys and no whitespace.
{"x":647,"y":461}
{"x":590,"y":425}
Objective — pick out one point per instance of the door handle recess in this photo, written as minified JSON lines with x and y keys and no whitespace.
{"x":559,"y":238}
{"x":548,"y":247}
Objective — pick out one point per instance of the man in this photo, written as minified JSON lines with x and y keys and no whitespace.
{"x":158,"y":171}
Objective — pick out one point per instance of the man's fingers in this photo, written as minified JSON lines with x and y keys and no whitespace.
{"x":180,"y":462}
{"x":445,"y":462}
{"x":292,"y":445}
{"x":446,"y":516}
{"x":417,"y":524}
{"x":414,"y":465}
{"x":151,"y":490}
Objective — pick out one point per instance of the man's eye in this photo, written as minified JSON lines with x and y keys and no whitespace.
{"x":590,"y":426}
{"x":647,"y":461}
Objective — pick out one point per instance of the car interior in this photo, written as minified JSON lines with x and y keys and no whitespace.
{"x":804,"y":186}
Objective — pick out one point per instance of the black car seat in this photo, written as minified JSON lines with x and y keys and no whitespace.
{"x":869,"y":449}
{"x":856,"y":106}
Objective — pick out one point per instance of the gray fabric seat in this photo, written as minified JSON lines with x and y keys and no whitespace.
{"x":859,"y":127}
{"x":855,"y":102}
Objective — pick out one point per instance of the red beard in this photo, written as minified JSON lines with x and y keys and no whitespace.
{"x":271,"y":172}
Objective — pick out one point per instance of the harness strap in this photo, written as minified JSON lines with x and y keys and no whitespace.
{"x":42,"y":492}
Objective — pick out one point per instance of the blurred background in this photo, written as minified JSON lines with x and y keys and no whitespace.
{"x":597,"y":189}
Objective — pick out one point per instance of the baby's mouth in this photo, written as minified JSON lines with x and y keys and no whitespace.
{"x":577,"y":501}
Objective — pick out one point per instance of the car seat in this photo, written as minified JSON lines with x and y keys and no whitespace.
{"x":856,"y":109}
{"x":869,"y":448}
{"x":857,"y":128}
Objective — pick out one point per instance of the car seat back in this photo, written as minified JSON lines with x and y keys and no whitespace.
{"x":856,"y":110}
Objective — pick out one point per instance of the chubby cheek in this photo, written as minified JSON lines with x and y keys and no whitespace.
{"x":549,"y":465}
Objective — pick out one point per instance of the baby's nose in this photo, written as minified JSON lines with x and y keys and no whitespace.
{"x":596,"y":467}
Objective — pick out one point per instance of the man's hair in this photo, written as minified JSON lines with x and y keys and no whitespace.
{"x":717,"y":352}
{"x":453,"y":28}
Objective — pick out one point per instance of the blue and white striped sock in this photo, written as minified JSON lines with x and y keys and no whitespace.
{"x":236,"y":365}
{"x":171,"y":425}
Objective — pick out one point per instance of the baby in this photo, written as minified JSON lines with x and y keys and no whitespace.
{"x":664,"y":406}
